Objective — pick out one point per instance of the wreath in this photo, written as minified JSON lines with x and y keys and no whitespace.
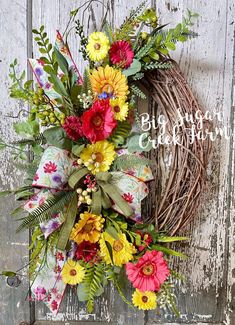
{"x":89,"y":165}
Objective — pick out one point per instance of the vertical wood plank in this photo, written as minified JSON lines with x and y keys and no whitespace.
{"x":14,"y":247}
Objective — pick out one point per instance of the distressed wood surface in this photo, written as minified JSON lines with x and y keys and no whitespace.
{"x":13,"y":248}
{"x":208,"y":296}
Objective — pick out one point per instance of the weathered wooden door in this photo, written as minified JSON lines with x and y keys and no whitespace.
{"x":208,"y":296}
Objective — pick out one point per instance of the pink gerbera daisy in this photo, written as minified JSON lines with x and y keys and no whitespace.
{"x":149,"y":272}
{"x":121,"y":54}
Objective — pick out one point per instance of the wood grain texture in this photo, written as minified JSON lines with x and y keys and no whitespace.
{"x":208,"y":296}
{"x":14,"y":251}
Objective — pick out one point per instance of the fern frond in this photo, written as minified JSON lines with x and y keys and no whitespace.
{"x":108,"y":31}
{"x":146,"y":48}
{"x":138,"y":92}
{"x":121,"y":133}
{"x":91,"y":285}
{"x":129,"y":162}
{"x":55,"y":204}
{"x":87,"y":82}
{"x":113,"y":277}
{"x":157,"y":65}
{"x":134,"y":13}
{"x":39,"y":139}
{"x":138,"y":76}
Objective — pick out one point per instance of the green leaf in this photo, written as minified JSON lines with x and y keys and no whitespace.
{"x":56,"y":136}
{"x":133,"y":143}
{"x":170,"y":45}
{"x":133,"y":69}
{"x":35,"y":31}
{"x":57,"y":83}
{"x":26,"y":129}
{"x":154,"y":55}
{"x":112,"y":232}
{"x":8,"y":273}
{"x":77,"y":149}
{"x":62,"y":62}
{"x":169,"y":251}
{"x":82,"y":292}
{"x":5,"y":193}
{"x":110,"y":250}
{"x":17,"y":211}
{"x":23,"y":195}
{"x":165,"y":239}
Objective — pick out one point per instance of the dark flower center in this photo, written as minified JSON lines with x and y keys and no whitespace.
{"x":88,"y":227}
{"x":73,"y":272}
{"x":145,"y":299}
{"x":97,"y":121}
{"x":117,"y":245}
{"x":116,"y":109}
{"x":97,"y":46}
{"x":99,"y":157}
{"x":148,"y":269}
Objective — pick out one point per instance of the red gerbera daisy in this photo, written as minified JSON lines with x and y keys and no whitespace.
{"x":86,"y":251}
{"x":98,"y":122}
{"x":121,"y":54}
{"x":149,"y":272}
{"x":73,"y":127}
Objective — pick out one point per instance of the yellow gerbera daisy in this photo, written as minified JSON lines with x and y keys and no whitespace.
{"x":72,"y":272}
{"x":98,"y":46}
{"x":88,"y":228}
{"x":109,"y":80}
{"x":120,"y":108}
{"x":98,"y":157}
{"x":144,"y":300}
{"x":122,"y":250}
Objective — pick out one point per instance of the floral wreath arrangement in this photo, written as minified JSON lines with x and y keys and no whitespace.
{"x":86,"y":172}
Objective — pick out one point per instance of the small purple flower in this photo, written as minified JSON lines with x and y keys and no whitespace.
{"x":57,"y":179}
{"x":54,"y":225}
{"x":38,"y":72}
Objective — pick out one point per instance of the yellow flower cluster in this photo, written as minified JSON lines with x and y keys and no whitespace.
{"x":99,"y":156}
{"x":144,"y":300}
{"x":122,"y":250}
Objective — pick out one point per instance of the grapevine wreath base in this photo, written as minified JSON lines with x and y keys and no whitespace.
{"x":89,"y":174}
{"x":178,"y":201}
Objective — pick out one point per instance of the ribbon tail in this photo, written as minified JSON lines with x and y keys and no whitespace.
{"x":106,"y":203}
{"x":68,"y":224}
{"x":96,"y":202}
{"x":114,"y":194}
{"x":77,"y":176}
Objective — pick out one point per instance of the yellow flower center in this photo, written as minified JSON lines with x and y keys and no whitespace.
{"x":116,"y":109}
{"x":73,"y":272}
{"x":107,"y":88}
{"x":88,"y":227}
{"x":145,"y":299}
{"x":148,"y":269}
{"x":97,"y":46}
{"x":99,"y":157}
{"x":97,"y":121}
{"x":118,"y":245}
